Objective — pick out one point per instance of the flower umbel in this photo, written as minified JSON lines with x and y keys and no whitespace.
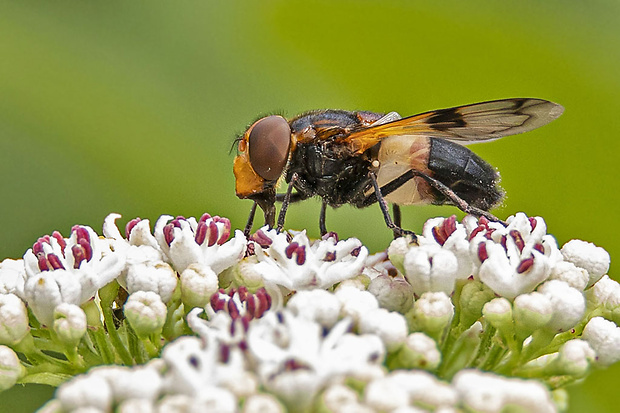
{"x":475,"y":316}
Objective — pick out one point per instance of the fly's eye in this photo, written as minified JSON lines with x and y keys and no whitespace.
{"x":269,"y":142}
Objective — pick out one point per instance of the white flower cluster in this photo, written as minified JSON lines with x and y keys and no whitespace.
{"x":278,"y":322}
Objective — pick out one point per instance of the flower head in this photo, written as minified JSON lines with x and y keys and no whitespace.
{"x":60,"y":270}
{"x":186,"y":241}
{"x":298,"y":264}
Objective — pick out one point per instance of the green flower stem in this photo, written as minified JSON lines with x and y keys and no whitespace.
{"x":89,"y":352}
{"x":97,"y":333}
{"x":557,"y":382}
{"x":101,"y":343}
{"x":562,"y":338}
{"x":462,"y":354}
{"x":486,"y":341}
{"x":135,"y":345}
{"x":151,"y":349}
{"x":47,"y":345}
{"x":35,"y":356}
{"x":117,"y":342}
{"x":45,"y":377}
{"x":108,"y":295}
{"x":494,"y":355}
{"x":170,"y":329}
{"x":538,"y":346}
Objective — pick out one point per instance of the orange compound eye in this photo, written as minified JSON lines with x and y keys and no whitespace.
{"x":269,"y":143}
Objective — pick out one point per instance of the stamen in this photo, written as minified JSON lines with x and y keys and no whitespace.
{"x":516,"y":235}
{"x":201,"y":233}
{"x":525,"y":265}
{"x":61,"y":241}
{"x":483,"y":254}
{"x":79,"y":255}
{"x":225,"y":234}
{"x":212,"y":234}
{"x":55,"y":262}
{"x":130,"y":225}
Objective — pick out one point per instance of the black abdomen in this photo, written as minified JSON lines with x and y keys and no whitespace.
{"x":468,"y":175}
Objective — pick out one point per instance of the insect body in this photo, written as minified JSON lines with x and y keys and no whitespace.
{"x":360,"y":158}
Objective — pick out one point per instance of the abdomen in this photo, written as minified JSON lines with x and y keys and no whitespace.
{"x":468,"y":175}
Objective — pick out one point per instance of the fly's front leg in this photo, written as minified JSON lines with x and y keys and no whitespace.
{"x":398,"y":231}
{"x":248,"y":225}
{"x":459,"y":202}
{"x":286,"y":202}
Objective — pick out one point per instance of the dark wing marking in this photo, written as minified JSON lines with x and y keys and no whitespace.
{"x":465,"y":124}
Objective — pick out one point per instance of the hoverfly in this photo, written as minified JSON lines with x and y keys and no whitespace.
{"x":360,"y":158}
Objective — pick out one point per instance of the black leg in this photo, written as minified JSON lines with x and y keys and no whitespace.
{"x":398,"y":231}
{"x":285,"y":202}
{"x":322,"y":227}
{"x":397,"y":215}
{"x":296,"y":197}
{"x":248,"y":226}
{"x":389,"y":187}
{"x":459,"y":202}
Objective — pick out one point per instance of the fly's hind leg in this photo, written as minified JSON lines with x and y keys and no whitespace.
{"x":398,"y":231}
{"x":459,"y":202}
{"x":322,"y":226}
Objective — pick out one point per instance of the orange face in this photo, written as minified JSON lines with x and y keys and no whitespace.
{"x":263,"y":154}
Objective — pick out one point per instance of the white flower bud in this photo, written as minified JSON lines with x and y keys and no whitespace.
{"x":605,"y":292}
{"x":69,"y":323}
{"x":474,"y":295}
{"x":419,"y":352}
{"x":487,"y":392}
{"x":383,"y":395}
{"x":433,"y":313}
{"x":430,"y":268}
{"x":337,"y":396}
{"x":136,"y":406}
{"x":262,"y":402}
{"x":588,"y":256}
{"x":397,"y":250}
{"x":10,"y":368}
{"x":127,"y":383}
{"x":355,"y":302}
{"x":212,"y":399}
{"x":45,"y":290}
{"x":604,"y":337}
{"x":198,"y":284}
{"x":531,"y":312}
{"x":569,"y":273}
{"x":13,"y":319}
{"x":244,"y":273}
{"x":12,"y":277}
{"x":575,"y":357}
{"x":498,"y":312}
{"x":146,"y":312}
{"x":86,"y":391}
{"x":569,"y":304}
{"x":318,"y":305}
{"x":419,"y":387}
{"x":394,"y":294}
{"x":390,"y":327}
{"x":157,"y":277}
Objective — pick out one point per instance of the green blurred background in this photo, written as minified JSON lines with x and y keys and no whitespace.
{"x":132,"y":107}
